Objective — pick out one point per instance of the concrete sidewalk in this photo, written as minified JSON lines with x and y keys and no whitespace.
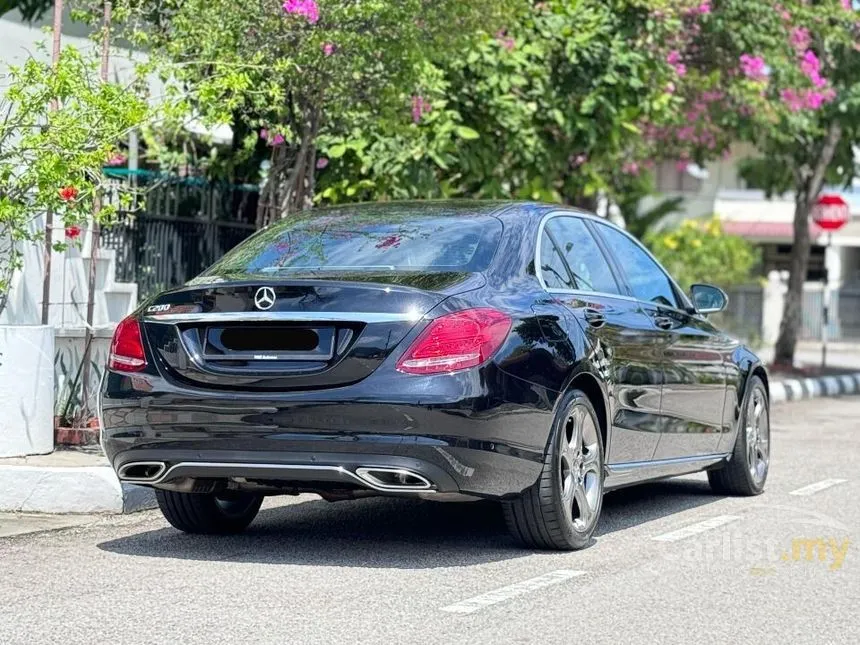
{"x":67,"y":481}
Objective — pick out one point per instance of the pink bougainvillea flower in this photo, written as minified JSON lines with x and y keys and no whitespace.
{"x":705,"y":7}
{"x":680,"y":69}
{"x":306,"y":8}
{"x":117,"y":159}
{"x":73,"y":232}
{"x":813,"y":100}
{"x":847,"y":5}
{"x":800,"y":38}
{"x":753,"y":67}
{"x":793,"y":100}
{"x":68,"y":193}
{"x":322,"y":162}
{"x":630,"y":168}
{"x":328,"y":48}
{"x":419,"y":107}
{"x":670,"y":88}
{"x":271,"y":139}
{"x":810,"y":64}
{"x":673,"y":57}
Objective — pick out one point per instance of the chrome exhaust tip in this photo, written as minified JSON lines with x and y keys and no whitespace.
{"x":394,"y":479}
{"x":141,"y":471}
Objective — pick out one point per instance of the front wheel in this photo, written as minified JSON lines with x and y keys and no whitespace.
{"x":746,"y":471}
{"x":211,"y":513}
{"x":561,"y":510}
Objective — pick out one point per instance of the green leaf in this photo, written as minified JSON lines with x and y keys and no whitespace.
{"x":337,"y":151}
{"x":465,"y":132}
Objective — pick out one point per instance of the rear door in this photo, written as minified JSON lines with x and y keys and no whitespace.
{"x":694,"y":385}
{"x":624,"y":345}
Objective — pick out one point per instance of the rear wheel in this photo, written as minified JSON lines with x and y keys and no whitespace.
{"x":225,"y":512}
{"x":561,"y":510}
{"x":746,"y":471}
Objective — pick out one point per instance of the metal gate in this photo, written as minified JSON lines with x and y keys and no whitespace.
{"x":183,"y":226}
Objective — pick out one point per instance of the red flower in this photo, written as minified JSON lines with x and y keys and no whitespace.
{"x":73,"y":232}
{"x":68,"y":193}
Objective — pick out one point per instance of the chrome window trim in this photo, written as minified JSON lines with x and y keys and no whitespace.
{"x":579,"y":292}
{"x":284,"y":316}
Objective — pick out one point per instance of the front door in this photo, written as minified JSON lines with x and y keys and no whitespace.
{"x":694,"y":385}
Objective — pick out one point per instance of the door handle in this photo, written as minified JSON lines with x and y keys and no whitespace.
{"x":594,"y":318}
{"x":663,"y":323}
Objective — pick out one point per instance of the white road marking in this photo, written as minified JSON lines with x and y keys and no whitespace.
{"x":817,"y":487}
{"x":512,"y":591}
{"x":695,"y":529}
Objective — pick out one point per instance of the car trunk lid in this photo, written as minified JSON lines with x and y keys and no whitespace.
{"x":290,"y":334}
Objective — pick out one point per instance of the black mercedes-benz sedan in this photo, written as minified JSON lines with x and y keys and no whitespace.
{"x":450,"y":351}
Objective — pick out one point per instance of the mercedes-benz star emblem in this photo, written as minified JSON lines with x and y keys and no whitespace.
{"x":264,"y":298}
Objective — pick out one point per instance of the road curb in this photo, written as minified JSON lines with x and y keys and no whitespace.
{"x":813,"y":388}
{"x":59,"y":489}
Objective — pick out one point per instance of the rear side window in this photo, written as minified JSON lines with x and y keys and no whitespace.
{"x":587,"y":265}
{"x":348,"y":242}
{"x":647,"y":279}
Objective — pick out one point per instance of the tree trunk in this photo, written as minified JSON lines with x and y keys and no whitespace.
{"x":289,"y":186}
{"x":791,"y":316}
{"x":808,"y":183}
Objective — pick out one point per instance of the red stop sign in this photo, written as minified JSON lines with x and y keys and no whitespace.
{"x":831,"y":212}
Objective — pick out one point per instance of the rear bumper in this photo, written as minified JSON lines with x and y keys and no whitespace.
{"x":478,"y":445}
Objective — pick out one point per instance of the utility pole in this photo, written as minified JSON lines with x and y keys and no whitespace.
{"x":95,"y":233}
{"x":49,"y":214}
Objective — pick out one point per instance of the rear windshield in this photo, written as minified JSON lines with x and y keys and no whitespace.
{"x":363,"y":243}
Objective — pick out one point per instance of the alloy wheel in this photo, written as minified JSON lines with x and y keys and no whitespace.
{"x":579,"y":466}
{"x":758,"y":436}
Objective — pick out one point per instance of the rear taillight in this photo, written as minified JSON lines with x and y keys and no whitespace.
{"x":456,"y":341}
{"x":126,"y":348}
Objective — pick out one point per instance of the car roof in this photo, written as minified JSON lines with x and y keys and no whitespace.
{"x":509,"y":210}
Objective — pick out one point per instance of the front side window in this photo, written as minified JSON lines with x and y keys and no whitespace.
{"x":588,"y":266}
{"x":646,"y":278}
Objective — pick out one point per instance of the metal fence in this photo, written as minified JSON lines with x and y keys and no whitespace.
{"x":183,"y":226}
{"x":844,"y":314}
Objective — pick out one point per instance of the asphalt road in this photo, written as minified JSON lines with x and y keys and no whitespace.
{"x":671,"y":563}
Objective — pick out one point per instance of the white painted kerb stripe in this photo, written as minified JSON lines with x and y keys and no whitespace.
{"x":816,"y":487}
{"x":695,"y":529}
{"x":512,"y":591}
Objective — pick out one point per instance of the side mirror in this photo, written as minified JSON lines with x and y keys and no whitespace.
{"x":708,"y":299}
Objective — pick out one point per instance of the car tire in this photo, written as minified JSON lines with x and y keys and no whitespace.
{"x":549,"y":515}
{"x":209,"y":513}
{"x":746,"y":471}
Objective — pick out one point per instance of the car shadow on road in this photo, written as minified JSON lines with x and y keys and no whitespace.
{"x":394,"y":533}
{"x":629,"y":507}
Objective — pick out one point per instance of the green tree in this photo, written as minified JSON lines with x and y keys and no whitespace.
{"x":785,"y":77}
{"x":281,"y":72}
{"x":52,"y":159}
{"x":699,"y":251}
